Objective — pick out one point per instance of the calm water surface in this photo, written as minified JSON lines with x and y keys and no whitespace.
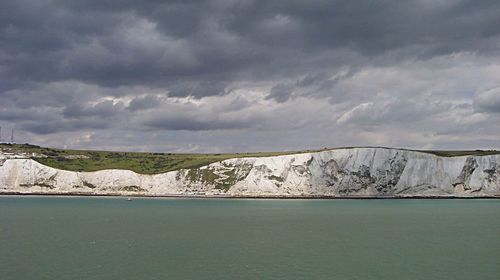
{"x":111,"y":238}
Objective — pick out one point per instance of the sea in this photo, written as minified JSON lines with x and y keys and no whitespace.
{"x":182,"y":238}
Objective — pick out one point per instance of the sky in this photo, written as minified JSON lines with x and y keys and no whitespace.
{"x":234,"y":76}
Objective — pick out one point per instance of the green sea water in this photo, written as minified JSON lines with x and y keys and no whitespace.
{"x":111,"y":238}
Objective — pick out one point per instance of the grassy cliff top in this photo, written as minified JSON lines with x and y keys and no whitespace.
{"x":140,"y":162}
{"x":152,"y":163}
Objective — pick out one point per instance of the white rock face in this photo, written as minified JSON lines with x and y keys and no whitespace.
{"x":357,"y":172}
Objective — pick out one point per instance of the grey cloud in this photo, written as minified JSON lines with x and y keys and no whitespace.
{"x":224,"y":41}
{"x":265,"y":72}
{"x":102,"y":109}
{"x":198,"y":89}
{"x":48,"y":121}
{"x":17,"y":115}
{"x":488,"y":101}
{"x":374,"y":114}
{"x":316,"y":85}
{"x":212,"y":114}
{"x":373,"y":27}
{"x":54,"y":95}
{"x":62,"y":126}
{"x":144,"y":102}
{"x":192,"y":124}
{"x":280,"y":93}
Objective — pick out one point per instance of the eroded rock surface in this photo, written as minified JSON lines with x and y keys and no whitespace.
{"x":366,"y":172}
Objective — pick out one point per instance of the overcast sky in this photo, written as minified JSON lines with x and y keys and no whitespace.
{"x":224,"y":76}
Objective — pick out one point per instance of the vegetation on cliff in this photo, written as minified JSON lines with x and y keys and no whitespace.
{"x":152,"y":163}
{"x":140,"y":162}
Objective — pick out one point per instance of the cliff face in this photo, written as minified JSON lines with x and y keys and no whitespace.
{"x":366,"y":172}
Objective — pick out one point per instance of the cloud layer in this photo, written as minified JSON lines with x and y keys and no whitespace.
{"x":250,"y":75}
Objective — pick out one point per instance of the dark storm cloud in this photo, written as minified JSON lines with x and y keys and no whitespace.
{"x":62,"y":126}
{"x":199,"y":89}
{"x":114,"y":43}
{"x":281,"y":93}
{"x":47,"y":120}
{"x":193,"y":124}
{"x":72,"y":66}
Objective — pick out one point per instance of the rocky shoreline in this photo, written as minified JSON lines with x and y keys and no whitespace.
{"x":326,"y":197}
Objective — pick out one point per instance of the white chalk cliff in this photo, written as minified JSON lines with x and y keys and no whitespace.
{"x":362,"y":172}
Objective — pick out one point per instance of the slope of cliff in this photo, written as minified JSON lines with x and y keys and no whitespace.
{"x":352,"y":172}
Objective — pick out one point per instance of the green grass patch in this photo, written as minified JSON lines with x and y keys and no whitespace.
{"x":463,"y":153}
{"x":144,"y":163}
{"x":223,"y":179}
{"x":153,"y":163}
